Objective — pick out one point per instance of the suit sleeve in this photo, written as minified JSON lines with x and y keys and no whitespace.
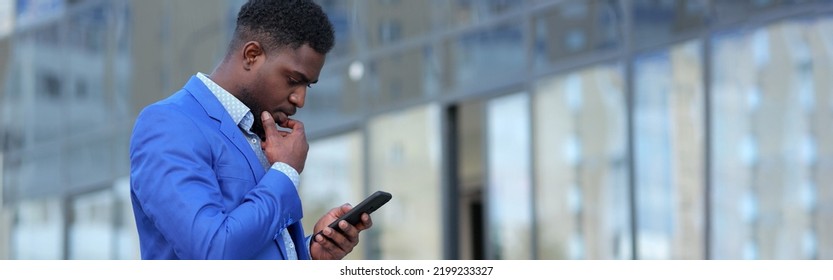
{"x":173,"y":180}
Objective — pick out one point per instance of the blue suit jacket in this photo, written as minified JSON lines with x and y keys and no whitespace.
{"x":198,"y":189}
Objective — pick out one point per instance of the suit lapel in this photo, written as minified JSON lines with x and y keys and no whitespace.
{"x":216,"y":111}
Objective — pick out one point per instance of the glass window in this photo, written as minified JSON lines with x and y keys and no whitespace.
{"x":6,"y":224}
{"x":509,"y":186}
{"x":91,"y":234}
{"x":581,"y":169}
{"x":3,"y":196}
{"x":670,"y":150}
{"x":87,"y":72}
{"x":403,"y":76}
{"x":7,"y":13}
{"x":484,"y":59}
{"x":342,"y":14}
{"x":333,"y":175}
{"x":735,"y":10}
{"x":471,"y":170}
{"x":820,"y":36}
{"x":44,"y":83}
{"x":467,"y":12}
{"x":10,"y":178}
{"x":39,"y":172}
{"x":68,"y":70}
{"x":33,"y":13}
{"x":347,"y":90}
{"x":338,"y":97}
{"x":122,"y":109}
{"x":122,"y":73}
{"x":87,"y":160}
{"x":390,"y":22}
{"x":576,"y":27}
{"x":126,"y":243}
{"x":405,"y":161}
{"x":120,"y":153}
{"x":659,"y":21}
{"x":764,"y":147}
{"x":38,"y":231}
{"x":12,"y":132}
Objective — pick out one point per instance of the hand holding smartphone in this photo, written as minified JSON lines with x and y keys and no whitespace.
{"x":368,"y":205}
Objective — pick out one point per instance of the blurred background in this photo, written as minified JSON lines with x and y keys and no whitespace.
{"x":526,"y":129}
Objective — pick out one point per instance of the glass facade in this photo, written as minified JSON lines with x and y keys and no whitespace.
{"x":404,"y":160}
{"x":769,"y":131}
{"x":333,"y":175}
{"x":495,"y":54}
{"x":38,"y":230}
{"x":534,"y":129}
{"x":65,"y":113}
{"x":509,"y":186}
{"x":669,"y":109}
{"x":575,"y":29}
{"x":581,"y":177}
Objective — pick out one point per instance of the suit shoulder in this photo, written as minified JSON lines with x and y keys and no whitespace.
{"x":169,"y":123}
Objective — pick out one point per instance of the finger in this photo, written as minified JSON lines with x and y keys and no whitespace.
{"x":318,"y":248}
{"x":332,"y":241}
{"x":350,"y":233}
{"x":280,"y":132}
{"x":342,"y":245}
{"x":339,"y":236}
{"x":366,"y":222}
{"x":269,"y":128}
{"x":343,"y":209}
{"x":295,"y":125}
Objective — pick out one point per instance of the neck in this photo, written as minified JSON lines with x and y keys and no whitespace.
{"x":225,"y":79}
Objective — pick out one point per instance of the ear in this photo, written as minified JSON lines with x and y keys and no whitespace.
{"x":252,"y":51}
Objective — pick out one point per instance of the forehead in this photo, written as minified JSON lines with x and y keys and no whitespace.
{"x":303,"y":59}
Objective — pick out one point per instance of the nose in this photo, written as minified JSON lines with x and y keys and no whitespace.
{"x":298,"y":97}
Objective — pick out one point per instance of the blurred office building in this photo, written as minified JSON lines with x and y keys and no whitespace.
{"x":505,"y":129}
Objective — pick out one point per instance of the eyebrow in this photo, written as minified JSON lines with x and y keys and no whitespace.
{"x":304,"y":77}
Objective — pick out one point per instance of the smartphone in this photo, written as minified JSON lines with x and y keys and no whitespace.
{"x":368,"y":205}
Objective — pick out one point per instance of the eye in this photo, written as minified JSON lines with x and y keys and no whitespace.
{"x":293,"y":81}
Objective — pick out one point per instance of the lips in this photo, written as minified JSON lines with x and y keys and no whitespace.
{"x":281,"y":118}
{"x":282,"y":115}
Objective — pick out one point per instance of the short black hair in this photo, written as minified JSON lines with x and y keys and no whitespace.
{"x":283,"y":23}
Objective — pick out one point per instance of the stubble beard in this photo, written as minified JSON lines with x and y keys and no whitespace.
{"x":247,"y":98}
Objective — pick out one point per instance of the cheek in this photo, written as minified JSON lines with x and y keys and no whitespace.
{"x":263,"y":90}
{"x":278,"y":92}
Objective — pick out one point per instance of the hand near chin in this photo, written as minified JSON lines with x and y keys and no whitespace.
{"x":289,"y":147}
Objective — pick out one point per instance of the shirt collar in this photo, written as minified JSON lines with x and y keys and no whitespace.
{"x":239,"y":112}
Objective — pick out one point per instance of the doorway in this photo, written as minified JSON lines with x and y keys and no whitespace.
{"x":468,"y":148}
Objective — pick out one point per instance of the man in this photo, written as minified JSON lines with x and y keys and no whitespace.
{"x":212,"y":177}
